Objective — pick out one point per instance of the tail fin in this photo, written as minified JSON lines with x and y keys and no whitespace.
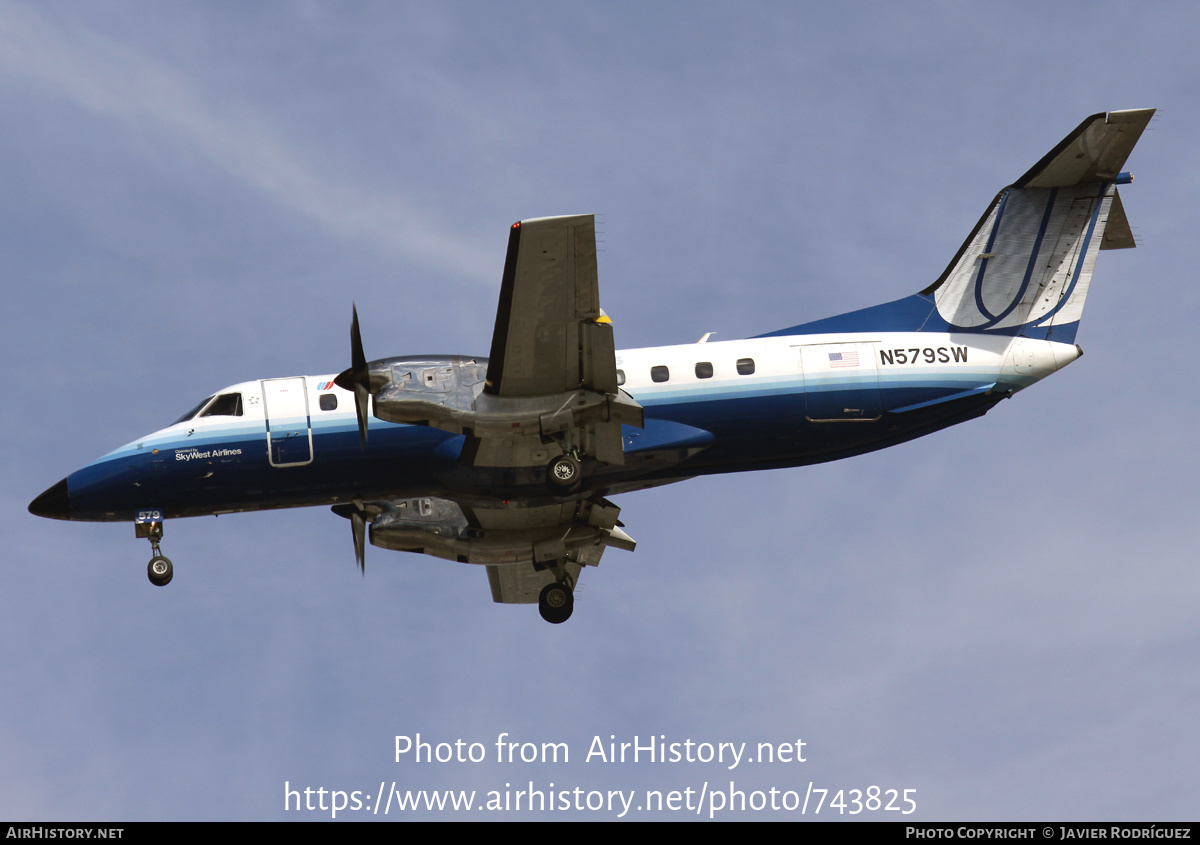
{"x":1025,"y":268}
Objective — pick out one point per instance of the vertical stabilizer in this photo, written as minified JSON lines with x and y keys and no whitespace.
{"x":1027,"y":266}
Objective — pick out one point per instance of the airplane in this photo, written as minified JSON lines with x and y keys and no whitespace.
{"x":508,"y":461}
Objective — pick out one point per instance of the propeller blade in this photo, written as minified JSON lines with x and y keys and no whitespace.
{"x":361,"y":397}
{"x":357,"y":513}
{"x":357,"y":379}
{"x":358,"y":524}
{"x":358,"y":360}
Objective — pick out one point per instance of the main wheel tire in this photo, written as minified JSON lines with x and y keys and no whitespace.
{"x":160,"y":571}
{"x":556,"y":603}
{"x":563,"y":472}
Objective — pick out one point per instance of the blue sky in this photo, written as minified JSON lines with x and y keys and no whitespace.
{"x":1001,"y":616}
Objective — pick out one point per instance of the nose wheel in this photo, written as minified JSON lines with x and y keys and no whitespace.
{"x":159,"y":570}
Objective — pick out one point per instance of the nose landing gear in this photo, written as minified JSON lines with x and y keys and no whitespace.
{"x":159,"y":570}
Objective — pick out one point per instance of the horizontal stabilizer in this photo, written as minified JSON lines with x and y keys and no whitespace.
{"x":1117,"y":234}
{"x":1094,"y":152}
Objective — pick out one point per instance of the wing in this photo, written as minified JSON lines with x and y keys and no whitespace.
{"x":523,"y":584}
{"x":523,"y":547}
{"x":541,"y":428}
{"x":550,"y":387}
{"x":550,"y":335}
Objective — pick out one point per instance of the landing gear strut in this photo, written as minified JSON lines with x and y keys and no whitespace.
{"x":556,"y":602}
{"x":159,"y":570}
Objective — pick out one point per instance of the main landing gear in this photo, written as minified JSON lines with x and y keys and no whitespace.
{"x":556,"y":602}
{"x":159,"y":570}
{"x":563,"y":472}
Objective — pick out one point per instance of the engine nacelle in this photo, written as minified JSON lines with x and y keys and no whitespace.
{"x":447,"y":393}
{"x":438,"y":527}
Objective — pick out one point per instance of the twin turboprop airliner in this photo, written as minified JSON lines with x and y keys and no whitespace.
{"x":509,"y":461}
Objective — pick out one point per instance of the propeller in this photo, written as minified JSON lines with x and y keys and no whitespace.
{"x":358,"y":380}
{"x":357,"y":514}
{"x":358,"y":524}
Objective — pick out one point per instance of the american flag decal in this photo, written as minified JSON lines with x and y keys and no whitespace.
{"x":843,"y":359}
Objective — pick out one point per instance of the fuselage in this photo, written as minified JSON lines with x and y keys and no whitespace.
{"x":760,"y":403}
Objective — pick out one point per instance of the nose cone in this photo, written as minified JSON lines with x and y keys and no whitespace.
{"x":54,"y":503}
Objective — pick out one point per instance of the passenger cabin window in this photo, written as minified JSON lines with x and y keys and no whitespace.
{"x":328,"y":401}
{"x":659,"y":373}
{"x":225,"y":405}
{"x":704,"y":369}
{"x":620,"y":376}
{"x":745,"y":366}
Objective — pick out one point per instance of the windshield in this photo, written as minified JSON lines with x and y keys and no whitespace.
{"x":193,"y":412}
{"x":225,"y":405}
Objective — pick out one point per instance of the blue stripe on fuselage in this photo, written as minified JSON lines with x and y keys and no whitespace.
{"x":219,"y":466}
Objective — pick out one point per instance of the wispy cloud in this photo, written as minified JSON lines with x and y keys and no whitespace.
{"x":115,"y":80}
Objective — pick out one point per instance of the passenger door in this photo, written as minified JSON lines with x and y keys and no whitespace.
{"x":289,"y":429}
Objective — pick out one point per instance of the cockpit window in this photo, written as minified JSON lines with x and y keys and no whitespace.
{"x":225,"y":405}
{"x":192,"y":412}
